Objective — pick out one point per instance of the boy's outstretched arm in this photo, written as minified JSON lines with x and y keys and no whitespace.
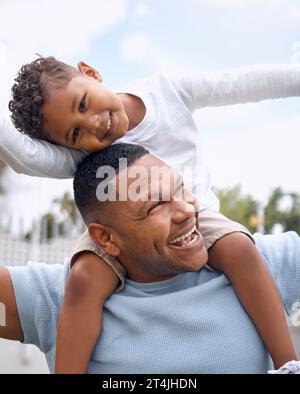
{"x":91,"y":281}
{"x":238,"y":258}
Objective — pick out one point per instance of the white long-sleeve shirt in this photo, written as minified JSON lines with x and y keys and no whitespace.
{"x":167,"y":97}
{"x":35,"y":157}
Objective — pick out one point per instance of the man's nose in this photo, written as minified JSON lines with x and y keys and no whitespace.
{"x":183,"y":209}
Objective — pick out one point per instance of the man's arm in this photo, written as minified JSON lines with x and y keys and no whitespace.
{"x":8,"y":309}
{"x":36,"y":157}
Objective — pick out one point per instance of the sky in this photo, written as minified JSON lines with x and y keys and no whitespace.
{"x":255,"y":145}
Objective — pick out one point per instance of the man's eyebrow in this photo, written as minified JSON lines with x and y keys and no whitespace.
{"x":178,"y":184}
{"x":158,"y":193}
{"x":72,"y":110}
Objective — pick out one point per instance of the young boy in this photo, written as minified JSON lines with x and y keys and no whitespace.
{"x":70,"y":107}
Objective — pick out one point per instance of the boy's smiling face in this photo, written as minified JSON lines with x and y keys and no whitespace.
{"x":84,"y":114}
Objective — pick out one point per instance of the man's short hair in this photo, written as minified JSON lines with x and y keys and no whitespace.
{"x":85,"y":181}
{"x":30,"y":91}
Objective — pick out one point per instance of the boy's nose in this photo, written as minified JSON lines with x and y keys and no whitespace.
{"x":92,"y":122}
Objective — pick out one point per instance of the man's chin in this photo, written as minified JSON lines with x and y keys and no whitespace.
{"x":198,"y":264}
{"x":193,"y":259}
{"x":195,"y":264}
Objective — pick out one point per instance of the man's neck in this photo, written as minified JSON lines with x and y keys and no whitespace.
{"x":135,"y":109}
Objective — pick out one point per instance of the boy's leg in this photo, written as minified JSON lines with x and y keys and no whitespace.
{"x":93,"y":277}
{"x":85,"y":244}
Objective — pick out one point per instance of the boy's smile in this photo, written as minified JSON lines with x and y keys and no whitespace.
{"x":84,"y":114}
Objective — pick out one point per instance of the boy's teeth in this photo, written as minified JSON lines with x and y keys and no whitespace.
{"x":183,"y":236}
{"x":108,"y":122}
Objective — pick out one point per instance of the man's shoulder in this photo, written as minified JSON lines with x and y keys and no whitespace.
{"x":281,"y":253}
{"x":276,"y":243}
{"x":39,"y":292}
{"x":279,"y":250}
{"x":44,"y":278}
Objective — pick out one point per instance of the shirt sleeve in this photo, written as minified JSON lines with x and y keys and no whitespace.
{"x":36,"y":157}
{"x":236,"y":86}
{"x":281,"y":253}
{"x":39,"y":292}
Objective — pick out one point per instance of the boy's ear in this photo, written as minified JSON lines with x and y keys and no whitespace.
{"x":89,"y":71}
{"x":102,"y":237}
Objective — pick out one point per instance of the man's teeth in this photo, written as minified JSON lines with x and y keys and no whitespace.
{"x":183,"y":236}
{"x":108,"y":122}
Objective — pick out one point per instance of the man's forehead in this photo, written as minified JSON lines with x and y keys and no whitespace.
{"x":148,"y":176}
{"x":147,"y":179}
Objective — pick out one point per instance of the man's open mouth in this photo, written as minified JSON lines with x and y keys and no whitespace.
{"x":186,"y":239}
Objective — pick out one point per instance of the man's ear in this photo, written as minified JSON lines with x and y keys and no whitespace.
{"x":102,"y":237}
{"x":89,"y":71}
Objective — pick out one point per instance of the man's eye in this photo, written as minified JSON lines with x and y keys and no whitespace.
{"x":157,"y":204}
{"x":82,"y":105}
{"x":75,"y":135}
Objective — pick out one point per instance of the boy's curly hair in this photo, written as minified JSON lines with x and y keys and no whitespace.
{"x":30,"y":91}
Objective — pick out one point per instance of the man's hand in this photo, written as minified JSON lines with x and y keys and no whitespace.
{"x":10,"y":325}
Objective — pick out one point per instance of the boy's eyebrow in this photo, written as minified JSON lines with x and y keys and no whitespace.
{"x":73,"y":104}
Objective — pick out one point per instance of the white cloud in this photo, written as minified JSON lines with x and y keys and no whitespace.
{"x":140,"y":48}
{"x":296,"y":52}
{"x":64,"y":29}
{"x":259,"y":160}
{"x":243,"y":3}
{"x":141,"y":10}
{"x":135,"y":47}
{"x":3,"y":54}
{"x":226,"y":3}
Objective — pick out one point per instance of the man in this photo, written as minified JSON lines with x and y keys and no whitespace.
{"x":174,"y":315}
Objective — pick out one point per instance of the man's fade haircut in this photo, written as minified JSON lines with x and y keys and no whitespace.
{"x":31,"y":89}
{"x":85,"y":181}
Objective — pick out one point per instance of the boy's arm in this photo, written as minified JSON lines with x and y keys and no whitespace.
{"x":36,"y":157}
{"x":91,"y":281}
{"x":10,"y":326}
{"x":236,"y":86}
{"x":238,"y":258}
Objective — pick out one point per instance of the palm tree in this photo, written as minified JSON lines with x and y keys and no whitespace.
{"x":67,"y":207}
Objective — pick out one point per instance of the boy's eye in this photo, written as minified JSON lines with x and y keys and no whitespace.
{"x":82,"y":105}
{"x":75,"y":135}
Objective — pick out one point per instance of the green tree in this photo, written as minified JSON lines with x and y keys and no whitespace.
{"x":292,"y":214}
{"x":67,"y":207}
{"x":272,"y":213}
{"x":288,"y":217}
{"x":237,"y":206}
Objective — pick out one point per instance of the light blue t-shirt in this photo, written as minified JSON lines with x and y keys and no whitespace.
{"x":192,"y":323}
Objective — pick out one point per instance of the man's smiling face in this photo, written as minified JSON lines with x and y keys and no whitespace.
{"x":157,"y":236}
